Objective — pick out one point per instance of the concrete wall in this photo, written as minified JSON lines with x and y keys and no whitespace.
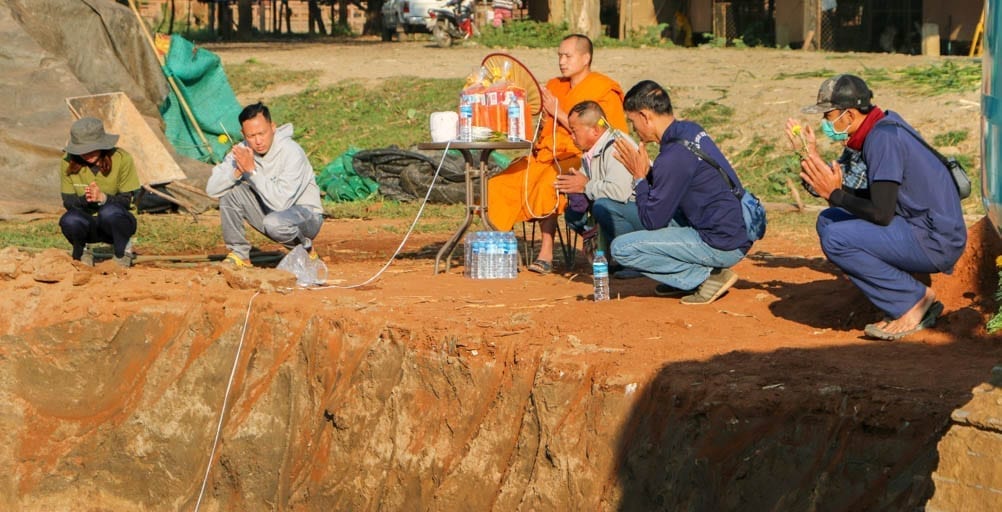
{"x":789,"y":21}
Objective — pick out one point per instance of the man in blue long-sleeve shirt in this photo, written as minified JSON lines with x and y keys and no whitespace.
{"x":695,"y":230}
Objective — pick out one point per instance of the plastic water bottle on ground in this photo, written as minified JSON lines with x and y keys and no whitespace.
{"x":600,"y":274}
{"x":473,"y":255}
{"x":511,"y":255}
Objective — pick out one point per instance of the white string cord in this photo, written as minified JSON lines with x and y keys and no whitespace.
{"x":243,"y":331}
{"x":226,"y":398}
{"x":409,"y":230}
{"x":560,"y":170}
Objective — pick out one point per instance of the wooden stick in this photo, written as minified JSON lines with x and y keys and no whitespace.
{"x":173,"y":84}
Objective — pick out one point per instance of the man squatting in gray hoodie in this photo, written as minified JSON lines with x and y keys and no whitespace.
{"x":268,"y":181}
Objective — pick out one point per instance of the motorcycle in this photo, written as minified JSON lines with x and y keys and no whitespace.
{"x":453,"y":23}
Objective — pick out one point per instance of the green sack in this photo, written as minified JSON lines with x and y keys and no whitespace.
{"x":340,"y":183}
{"x":198,"y":74}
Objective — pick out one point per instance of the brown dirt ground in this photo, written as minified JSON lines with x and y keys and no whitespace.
{"x":788,"y":296}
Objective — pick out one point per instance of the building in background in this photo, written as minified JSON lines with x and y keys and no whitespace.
{"x":837,"y":25}
{"x":900,"y":26}
{"x":267,"y":16}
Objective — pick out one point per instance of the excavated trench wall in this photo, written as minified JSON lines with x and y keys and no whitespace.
{"x":340,"y":411}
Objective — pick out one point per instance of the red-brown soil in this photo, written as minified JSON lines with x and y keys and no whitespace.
{"x":437,"y":392}
{"x":768,"y":396}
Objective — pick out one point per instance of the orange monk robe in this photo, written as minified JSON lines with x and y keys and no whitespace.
{"x":525,"y":190}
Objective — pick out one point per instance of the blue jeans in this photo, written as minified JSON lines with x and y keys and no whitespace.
{"x":616,"y":219}
{"x":878,"y":259}
{"x":613,"y":218}
{"x":674,"y":255}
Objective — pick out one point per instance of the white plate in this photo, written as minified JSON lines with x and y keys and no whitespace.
{"x":481,"y":133}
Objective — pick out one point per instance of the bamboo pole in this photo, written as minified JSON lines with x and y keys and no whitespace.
{"x":173,"y":84}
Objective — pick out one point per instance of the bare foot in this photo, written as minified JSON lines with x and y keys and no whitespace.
{"x":912,"y":317}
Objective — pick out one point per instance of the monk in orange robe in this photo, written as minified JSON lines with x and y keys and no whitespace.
{"x":525,"y":190}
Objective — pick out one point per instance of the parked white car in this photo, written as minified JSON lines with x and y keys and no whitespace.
{"x":408,"y":15}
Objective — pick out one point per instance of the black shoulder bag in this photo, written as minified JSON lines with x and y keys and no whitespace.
{"x":751,"y":208}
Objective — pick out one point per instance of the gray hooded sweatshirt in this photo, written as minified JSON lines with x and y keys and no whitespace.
{"x":282,"y":178}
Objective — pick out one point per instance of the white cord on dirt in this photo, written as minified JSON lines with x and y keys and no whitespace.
{"x":246,"y":318}
{"x":226,"y":397}
{"x":406,"y":235}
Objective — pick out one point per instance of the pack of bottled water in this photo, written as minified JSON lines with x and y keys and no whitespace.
{"x":491,"y":255}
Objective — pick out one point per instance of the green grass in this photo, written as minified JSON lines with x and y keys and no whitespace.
{"x":38,"y":234}
{"x":155,"y":234}
{"x":181,"y":234}
{"x":817,"y":73}
{"x":524,"y":34}
{"x":950,"y":138}
{"x":995,"y":323}
{"x":876,"y":75}
{"x":252,"y":76}
{"x":330,"y":120}
{"x":534,"y":34}
{"x":709,"y":114}
{"x":383,"y":209}
{"x":950,"y":76}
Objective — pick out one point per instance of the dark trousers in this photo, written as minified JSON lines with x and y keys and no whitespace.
{"x":879,"y":260}
{"x":113,"y":224}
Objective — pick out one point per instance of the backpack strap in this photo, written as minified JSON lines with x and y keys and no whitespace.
{"x":700,"y":154}
{"x":946,"y":161}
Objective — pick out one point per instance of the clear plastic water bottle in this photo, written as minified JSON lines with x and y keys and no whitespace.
{"x":514,"y":123}
{"x":468,"y":255}
{"x":511,"y":255}
{"x":473,"y":255}
{"x":485,"y":263}
{"x":465,"y":120}
{"x":493,"y":255}
{"x":600,"y":274}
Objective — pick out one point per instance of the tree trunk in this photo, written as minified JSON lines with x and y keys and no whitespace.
{"x":262,"y":19}
{"x":212,"y":18}
{"x":224,"y":20}
{"x":287,"y":13}
{"x":342,"y":13}
{"x":319,"y":16}
{"x":245,"y":17}
{"x":170,"y":22}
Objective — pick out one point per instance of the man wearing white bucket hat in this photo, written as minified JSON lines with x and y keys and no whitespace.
{"x":268,"y":181}
{"x":98,"y":183}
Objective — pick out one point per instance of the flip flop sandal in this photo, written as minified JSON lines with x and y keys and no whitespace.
{"x":928,"y":320}
{"x":540,"y":267}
